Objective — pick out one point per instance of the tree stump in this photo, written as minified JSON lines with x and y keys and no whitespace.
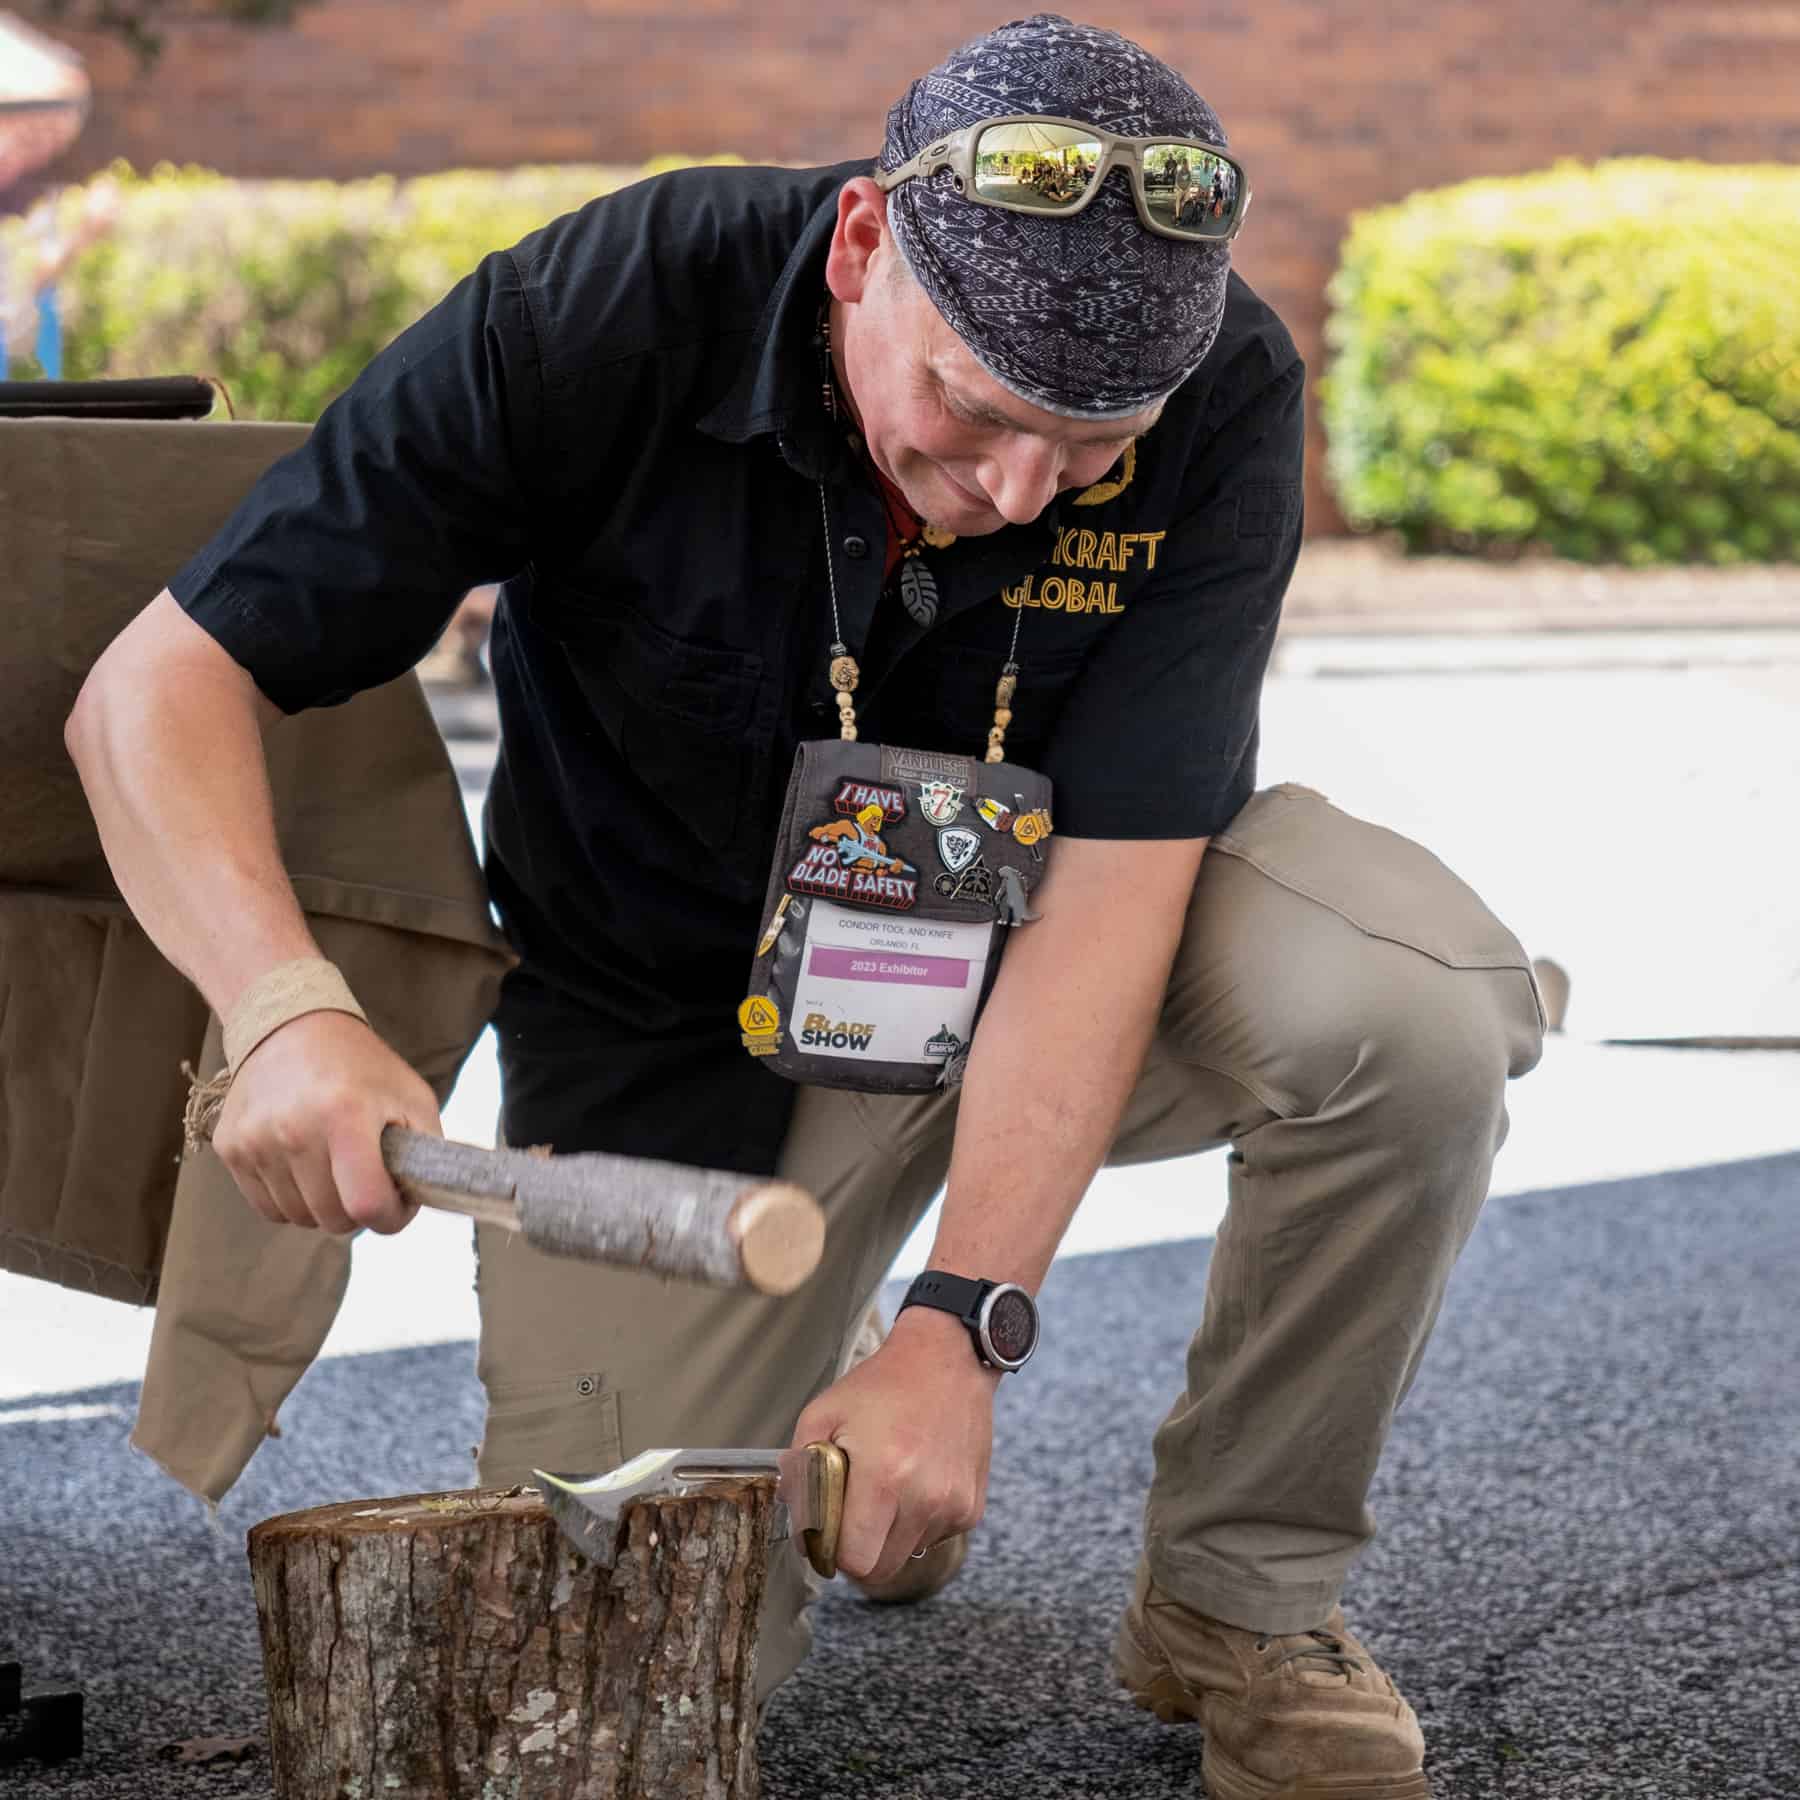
{"x":455,"y":1647}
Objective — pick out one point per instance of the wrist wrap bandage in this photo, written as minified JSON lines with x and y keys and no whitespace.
{"x":284,"y":993}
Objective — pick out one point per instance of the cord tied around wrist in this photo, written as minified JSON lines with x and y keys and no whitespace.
{"x":276,"y":998}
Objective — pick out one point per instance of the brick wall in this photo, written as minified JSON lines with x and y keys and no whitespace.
{"x":1334,"y":104}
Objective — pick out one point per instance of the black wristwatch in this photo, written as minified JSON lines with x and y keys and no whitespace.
{"x":1002,"y":1318}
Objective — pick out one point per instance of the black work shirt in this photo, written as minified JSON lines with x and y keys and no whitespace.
{"x":621,"y":420}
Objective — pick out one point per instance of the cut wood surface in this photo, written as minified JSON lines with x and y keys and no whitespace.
{"x":454,"y":1647}
{"x":701,"y":1224}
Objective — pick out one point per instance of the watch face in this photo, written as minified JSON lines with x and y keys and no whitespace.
{"x":1012,"y":1325}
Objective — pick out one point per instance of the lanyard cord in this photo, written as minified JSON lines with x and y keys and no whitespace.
{"x":1004,"y":689}
{"x":844,"y":670}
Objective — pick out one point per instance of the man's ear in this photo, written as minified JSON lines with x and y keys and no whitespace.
{"x":857,"y":237}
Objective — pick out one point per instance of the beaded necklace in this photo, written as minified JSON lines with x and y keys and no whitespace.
{"x":918,"y":592}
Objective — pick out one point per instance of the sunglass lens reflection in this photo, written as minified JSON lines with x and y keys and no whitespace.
{"x":1040,"y":166}
{"x":1190,"y":190}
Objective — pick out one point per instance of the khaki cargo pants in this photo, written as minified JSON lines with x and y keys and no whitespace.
{"x":1344,"y":1013}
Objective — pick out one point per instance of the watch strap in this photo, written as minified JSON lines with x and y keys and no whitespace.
{"x":957,"y":1294}
{"x":979,"y":1306}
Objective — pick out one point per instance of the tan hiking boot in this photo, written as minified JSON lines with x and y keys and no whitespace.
{"x":1305,"y":1716}
{"x":925,"y":1575}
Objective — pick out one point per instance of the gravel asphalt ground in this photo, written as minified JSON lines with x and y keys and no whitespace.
{"x":1587,"y":1576}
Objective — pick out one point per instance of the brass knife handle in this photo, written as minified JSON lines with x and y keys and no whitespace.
{"x":828,"y":1475}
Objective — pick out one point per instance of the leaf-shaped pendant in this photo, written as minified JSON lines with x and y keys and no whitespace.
{"x":918,"y":591}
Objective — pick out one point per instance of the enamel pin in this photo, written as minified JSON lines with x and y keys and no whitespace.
{"x":849,"y":860}
{"x":1011,"y":902}
{"x":958,"y":846}
{"x":975,"y":882}
{"x":940,"y":801}
{"x":854,"y":797}
{"x":767,"y":941}
{"x":760,"y":1018}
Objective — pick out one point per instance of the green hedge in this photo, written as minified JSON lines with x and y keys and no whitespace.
{"x":1601,"y":361}
{"x":285,"y":289}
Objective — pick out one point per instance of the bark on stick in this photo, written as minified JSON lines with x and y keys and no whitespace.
{"x":637,"y":1212}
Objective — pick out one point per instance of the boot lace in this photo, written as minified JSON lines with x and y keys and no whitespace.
{"x":1313,"y":1646}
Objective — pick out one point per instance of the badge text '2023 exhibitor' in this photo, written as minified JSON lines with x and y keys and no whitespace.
{"x":885,"y":987}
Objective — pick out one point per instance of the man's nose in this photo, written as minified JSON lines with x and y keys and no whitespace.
{"x":1021,"y":478}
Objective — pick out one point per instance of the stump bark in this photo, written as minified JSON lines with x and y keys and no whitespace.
{"x":454,"y":1647}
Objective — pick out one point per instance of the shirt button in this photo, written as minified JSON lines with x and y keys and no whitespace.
{"x":855,"y":547}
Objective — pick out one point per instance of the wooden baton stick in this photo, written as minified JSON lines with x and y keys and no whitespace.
{"x":708,"y":1225}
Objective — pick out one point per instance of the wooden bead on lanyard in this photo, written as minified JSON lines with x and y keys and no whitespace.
{"x":1007,"y":686}
{"x":845,"y":673}
{"x":844,"y":670}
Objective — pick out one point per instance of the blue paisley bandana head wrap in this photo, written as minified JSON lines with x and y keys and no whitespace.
{"x":1091,"y":317}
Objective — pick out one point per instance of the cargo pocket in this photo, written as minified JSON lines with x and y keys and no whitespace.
{"x":562,"y":1424}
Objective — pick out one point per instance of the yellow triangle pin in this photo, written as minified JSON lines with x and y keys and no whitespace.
{"x":759,"y":1016}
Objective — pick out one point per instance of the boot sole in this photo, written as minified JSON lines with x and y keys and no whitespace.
{"x":1226,"y":1780}
{"x":1156,"y":1689}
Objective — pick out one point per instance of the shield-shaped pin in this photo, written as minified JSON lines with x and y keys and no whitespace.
{"x":940,"y":801}
{"x":958,"y":846}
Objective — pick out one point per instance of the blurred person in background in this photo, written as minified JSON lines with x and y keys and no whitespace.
{"x":30,"y":308}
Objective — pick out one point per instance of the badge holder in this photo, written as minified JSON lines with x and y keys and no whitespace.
{"x":897,"y":877}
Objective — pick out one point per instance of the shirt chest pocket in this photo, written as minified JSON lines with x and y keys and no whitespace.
{"x":682,"y":715}
{"x":944,"y":700}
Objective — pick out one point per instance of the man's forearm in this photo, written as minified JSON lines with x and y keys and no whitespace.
{"x":1059,"y":1050}
{"x":166,"y":739}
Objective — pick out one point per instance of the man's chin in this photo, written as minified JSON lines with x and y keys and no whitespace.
{"x":972,"y":526}
{"x":956,"y":510}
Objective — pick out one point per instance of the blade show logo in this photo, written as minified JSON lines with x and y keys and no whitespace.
{"x":818,"y":1031}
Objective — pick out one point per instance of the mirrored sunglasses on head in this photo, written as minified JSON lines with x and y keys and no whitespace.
{"x":1185,"y":188}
